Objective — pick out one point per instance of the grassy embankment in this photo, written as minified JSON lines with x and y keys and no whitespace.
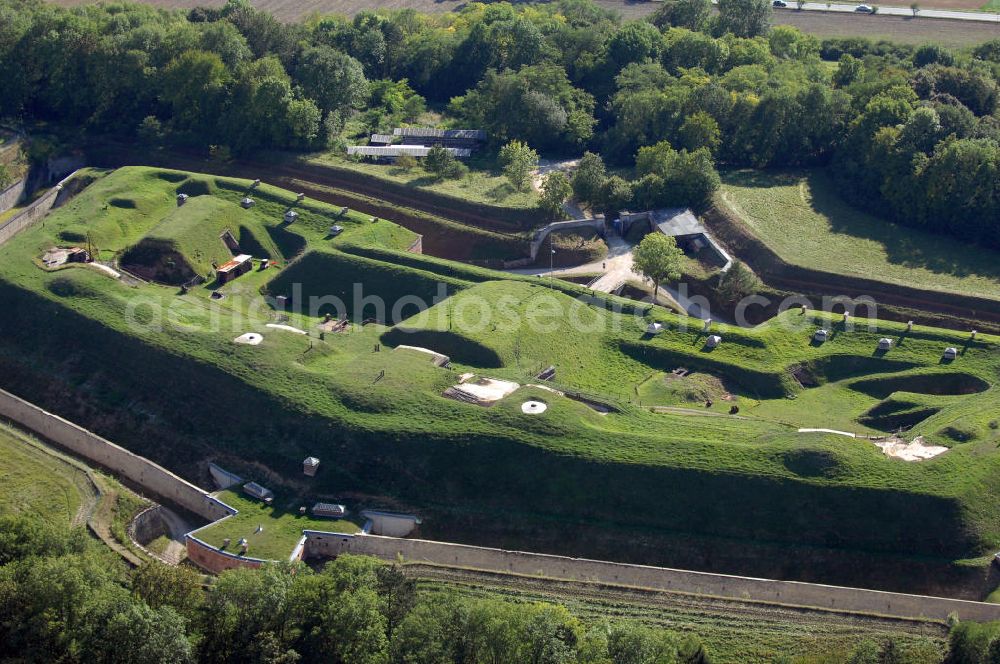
{"x":483,"y":184}
{"x":396,"y":439}
{"x":801,"y":217}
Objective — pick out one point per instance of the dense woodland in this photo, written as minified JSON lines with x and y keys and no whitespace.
{"x":912,"y":133}
{"x":66,"y":598}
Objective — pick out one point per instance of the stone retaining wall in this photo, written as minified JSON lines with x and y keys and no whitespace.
{"x":143,"y":472}
{"x":718,"y":585}
{"x":32,"y":213}
{"x":12,"y":195}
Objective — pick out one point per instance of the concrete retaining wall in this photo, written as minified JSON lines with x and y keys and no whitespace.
{"x":213,"y":560}
{"x":143,"y":472}
{"x":33,"y":212}
{"x":12,"y":195}
{"x":539,"y":237}
{"x":718,"y":585}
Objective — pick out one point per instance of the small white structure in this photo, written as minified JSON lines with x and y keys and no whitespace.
{"x":249,"y":339}
{"x":974,"y":333}
{"x":300,"y":197}
{"x":713,"y":341}
{"x":708,"y":324}
{"x":256,"y":183}
{"x":950,"y":353}
{"x":259,"y":492}
{"x":181,"y":199}
{"x":336,"y":230}
{"x":533,"y":407}
{"x":909,"y":326}
{"x":309,"y":466}
{"x":291,"y":216}
{"x":437,"y":359}
{"x":884,"y":343}
{"x":248,"y":203}
{"x":821,"y":335}
{"x":654,"y":328}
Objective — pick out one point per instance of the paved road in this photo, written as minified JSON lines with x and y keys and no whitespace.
{"x":898,"y":11}
{"x":616,"y":269}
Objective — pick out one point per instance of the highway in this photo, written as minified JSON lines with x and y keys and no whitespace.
{"x":982,"y":17}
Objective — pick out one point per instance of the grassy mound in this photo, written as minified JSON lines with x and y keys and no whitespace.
{"x":678,"y":475}
{"x":340,"y":284}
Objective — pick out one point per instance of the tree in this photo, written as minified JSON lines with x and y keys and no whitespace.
{"x":518,"y":162}
{"x":700,"y":130}
{"x":745,"y":18}
{"x":589,"y":177}
{"x":737,"y":283}
{"x":849,"y":69}
{"x":691,"y":14}
{"x":165,"y":585}
{"x":438,"y":160}
{"x":615,"y":195}
{"x":658,"y":258}
{"x":555,"y":190}
{"x":915,"y":8}
{"x":334,"y":80}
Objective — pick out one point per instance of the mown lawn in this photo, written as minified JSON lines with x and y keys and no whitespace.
{"x":803,"y":219}
{"x":35,"y":481}
{"x":281,"y":523}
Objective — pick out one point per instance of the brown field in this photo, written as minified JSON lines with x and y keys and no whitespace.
{"x":821,"y":24}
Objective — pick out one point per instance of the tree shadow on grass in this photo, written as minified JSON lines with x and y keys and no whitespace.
{"x":904,"y":246}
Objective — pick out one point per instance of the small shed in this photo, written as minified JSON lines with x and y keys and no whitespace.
{"x":291,"y":216}
{"x":336,"y":230}
{"x":259,"y":492}
{"x":654,"y":328}
{"x":234,"y":268}
{"x":181,"y":199}
{"x":329,"y":510}
{"x":950,"y":353}
{"x":248,"y":203}
{"x":310,"y":466}
{"x":885,"y":343}
{"x":713,"y":341}
{"x":821,"y":335}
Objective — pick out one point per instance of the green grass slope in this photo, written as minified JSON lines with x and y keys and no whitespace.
{"x":379,"y":418}
{"x":803,"y":219}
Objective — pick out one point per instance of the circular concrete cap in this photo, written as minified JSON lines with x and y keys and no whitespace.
{"x":533,"y":407}
{"x":250,"y":339}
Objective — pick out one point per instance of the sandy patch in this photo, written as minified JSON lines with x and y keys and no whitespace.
{"x":482,"y":391}
{"x":915,"y":450}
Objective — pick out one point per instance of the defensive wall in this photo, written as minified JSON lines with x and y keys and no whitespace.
{"x":659,"y":578}
{"x":36,"y":210}
{"x":539,"y":237}
{"x":165,"y":484}
{"x":153,"y":478}
{"x":12,"y":195}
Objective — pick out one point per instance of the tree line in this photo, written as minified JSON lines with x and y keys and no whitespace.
{"x":64,"y":597}
{"x":911,"y":132}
